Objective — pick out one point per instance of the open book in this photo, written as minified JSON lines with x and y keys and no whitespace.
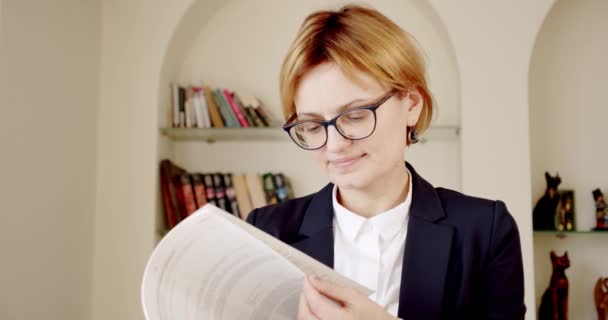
{"x":215,"y":266}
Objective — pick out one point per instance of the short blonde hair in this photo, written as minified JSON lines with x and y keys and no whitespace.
{"x":360,"y":39}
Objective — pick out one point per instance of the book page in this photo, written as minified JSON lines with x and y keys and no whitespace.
{"x":209,"y":267}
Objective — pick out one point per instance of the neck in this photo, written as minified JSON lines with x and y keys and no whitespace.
{"x":383,"y":194}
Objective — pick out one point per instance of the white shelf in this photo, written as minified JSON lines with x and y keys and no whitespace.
{"x":225,"y":134}
{"x":211,"y":135}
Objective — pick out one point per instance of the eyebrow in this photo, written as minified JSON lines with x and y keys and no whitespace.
{"x":342,"y":108}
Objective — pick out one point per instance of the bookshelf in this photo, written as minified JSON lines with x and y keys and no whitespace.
{"x":211,"y":135}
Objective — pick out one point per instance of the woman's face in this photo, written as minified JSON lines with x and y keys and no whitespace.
{"x":324,"y":92}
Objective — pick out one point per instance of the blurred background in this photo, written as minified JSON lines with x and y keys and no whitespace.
{"x":86,"y":116}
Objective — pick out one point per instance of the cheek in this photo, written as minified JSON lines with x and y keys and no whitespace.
{"x":319,"y":157}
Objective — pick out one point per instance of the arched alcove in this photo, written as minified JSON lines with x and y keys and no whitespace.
{"x":568,"y":130}
{"x":240,"y":45}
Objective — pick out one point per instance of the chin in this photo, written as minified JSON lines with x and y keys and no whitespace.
{"x":352,"y":180}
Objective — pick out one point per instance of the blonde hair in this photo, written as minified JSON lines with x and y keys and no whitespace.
{"x":360,"y":39}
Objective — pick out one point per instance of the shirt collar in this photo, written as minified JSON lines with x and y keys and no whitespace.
{"x":387,"y":224}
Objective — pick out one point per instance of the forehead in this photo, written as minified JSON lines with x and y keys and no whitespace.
{"x":326,"y":88}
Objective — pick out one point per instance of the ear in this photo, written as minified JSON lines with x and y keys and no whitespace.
{"x":553,"y":256}
{"x":566,"y":254}
{"x":414,"y":101}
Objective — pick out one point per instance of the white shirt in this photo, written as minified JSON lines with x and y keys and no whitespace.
{"x":370,"y":250}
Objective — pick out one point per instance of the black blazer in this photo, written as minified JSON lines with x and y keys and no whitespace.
{"x":462,"y":255}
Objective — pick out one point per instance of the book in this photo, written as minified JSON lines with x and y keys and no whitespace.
{"x":256,"y":190}
{"x":209,"y":189}
{"x":242,"y":195}
{"x":231,"y":195}
{"x":243,"y":109}
{"x":220,"y":191}
{"x":214,"y":112}
{"x":175,"y":98}
{"x":185,"y":194}
{"x":216,"y":266}
{"x":226,"y":111}
{"x":199,"y":189}
{"x":182,"y":107}
{"x":235,"y":109}
{"x":168,"y":170}
{"x":282,"y":190}
{"x":270,"y":188}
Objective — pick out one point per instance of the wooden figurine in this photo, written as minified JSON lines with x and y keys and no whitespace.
{"x":601,"y":210}
{"x":601,"y":298}
{"x":554,"y":302}
{"x":543,"y":216}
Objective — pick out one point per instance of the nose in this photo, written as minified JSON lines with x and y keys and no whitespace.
{"x":335,"y":141}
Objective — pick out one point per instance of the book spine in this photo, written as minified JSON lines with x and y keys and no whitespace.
{"x":270,"y":188}
{"x":282,"y":191}
{"x":231,"y":195}
{"x":226,"y":112}
{"x":198,"y":109}
{"x":188,"y":194}
{"x":175,"y":105}
{"x":216,"y":118}
{"x":235,"y":109}
{"x":199,"y":190}
{"x":220,"y":192}
{"x":169,"y":194}
{"x":210,"y":189}
{"x":244,"y":110}
{"x":182,"y":107}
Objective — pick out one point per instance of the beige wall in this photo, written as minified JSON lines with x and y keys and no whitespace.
{"x":568,"y":133}
{"x":49,"y":62}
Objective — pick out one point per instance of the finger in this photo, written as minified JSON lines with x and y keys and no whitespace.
{"x":333,"y":291}
{"x":304,"y":312}
{"x":320,"y":305}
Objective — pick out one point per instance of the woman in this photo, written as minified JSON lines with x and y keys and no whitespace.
{"x":353,"y":88}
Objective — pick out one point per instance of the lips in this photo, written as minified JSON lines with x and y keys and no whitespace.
{"x":346,"y":161}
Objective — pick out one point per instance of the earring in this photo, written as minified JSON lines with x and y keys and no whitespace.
{"x":413,"y":135}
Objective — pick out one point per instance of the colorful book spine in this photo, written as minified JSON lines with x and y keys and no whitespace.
{"x":186,"y":194}
{"x":270,"y":188}
{"x":282,"y":190}
{"x":226,"y":111}
{"x":235,"y":109}
{"x":220,"y":192}
{"x":199,"y":190}
{"x":214,"y":112}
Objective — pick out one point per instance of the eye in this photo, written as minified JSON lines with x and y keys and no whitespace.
{"x":357,"y":115}
{"x":311,"y":127}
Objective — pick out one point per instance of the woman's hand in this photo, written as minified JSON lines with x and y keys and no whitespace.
{"x":322,"y":300}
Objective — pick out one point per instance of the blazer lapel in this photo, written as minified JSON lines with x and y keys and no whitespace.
{"x":427,"y":254}
{"x":316,"y":231}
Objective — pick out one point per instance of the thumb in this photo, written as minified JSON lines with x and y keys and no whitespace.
{"x":332,"y":290}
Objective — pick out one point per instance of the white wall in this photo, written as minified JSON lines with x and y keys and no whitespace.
{"x":49,"y":62}
{"x":569,"y":130}
{"x":141,"y":54}
{"x":241,"y":48}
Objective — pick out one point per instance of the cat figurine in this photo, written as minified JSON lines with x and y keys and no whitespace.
{"x":543,"y":216}
{"x":554,"y":302}
{"x":601,"y":298}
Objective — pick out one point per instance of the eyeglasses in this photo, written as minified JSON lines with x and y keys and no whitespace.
{"x":354,"y":124}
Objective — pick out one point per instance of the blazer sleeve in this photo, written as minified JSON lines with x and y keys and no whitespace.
{"x":251,"y":217}
{"x":502,"y":282}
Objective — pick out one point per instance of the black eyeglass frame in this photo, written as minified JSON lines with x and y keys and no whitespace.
{"x":333,"y":122}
